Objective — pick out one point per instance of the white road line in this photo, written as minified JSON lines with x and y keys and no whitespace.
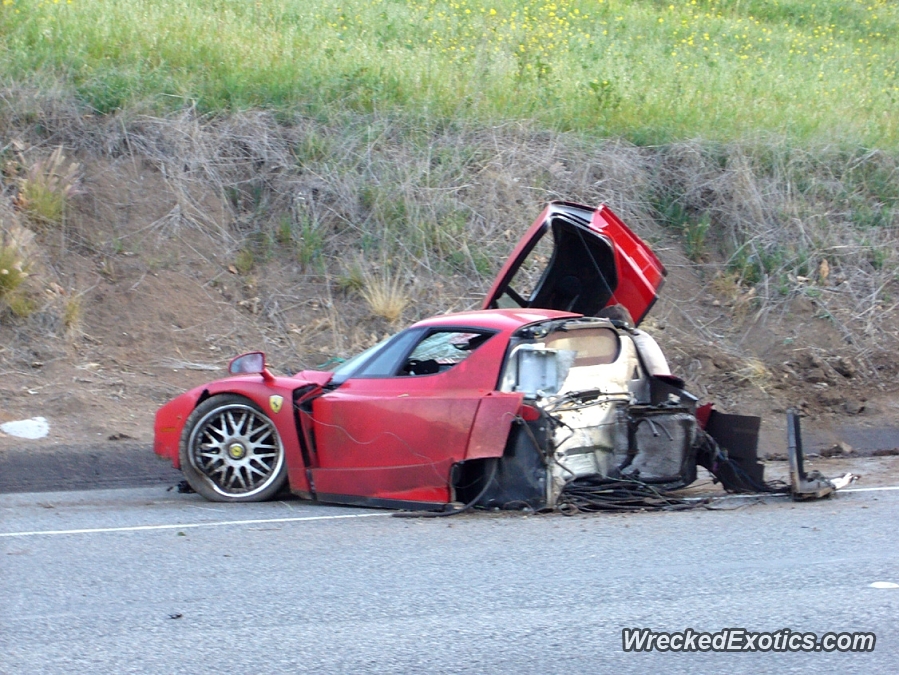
{"x":871,"y":489}
{"x":184,"y":526}
{"x":768,"y":495}
{"x":263,"y":521}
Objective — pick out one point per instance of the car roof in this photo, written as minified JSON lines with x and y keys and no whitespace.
{"x":494,"y":319}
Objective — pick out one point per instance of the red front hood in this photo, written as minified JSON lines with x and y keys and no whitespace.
{"x":596,"y":261}
{"x":319,"y":377}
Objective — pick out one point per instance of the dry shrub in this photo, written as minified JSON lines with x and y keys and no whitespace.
{"x":754,"y":372}
{"x":352,"y":279}
{"x":788,"y":221}
{"x":13,"y":272}
{"x":385,"y":294}
{"x":244,"y":261}
{"x":452,"y":200}
{"x":73,"y":314}
{"x":46,"y":187}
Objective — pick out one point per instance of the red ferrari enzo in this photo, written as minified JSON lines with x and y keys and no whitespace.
{"x":548,"y":387}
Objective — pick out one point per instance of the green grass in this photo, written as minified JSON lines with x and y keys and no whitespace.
{"x":652,"y":71}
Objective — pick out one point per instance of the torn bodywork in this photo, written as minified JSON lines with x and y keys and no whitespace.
{"x":592,"y":414}
{"x":596,"y":425}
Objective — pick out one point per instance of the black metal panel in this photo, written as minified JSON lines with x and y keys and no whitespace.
{"x":803,"y":485}
{"x":376,"y":502}
{"x":520,"y":478}
{"x":661,"y":447}
{"x":663,"y":389}
{"x":739,"y":436}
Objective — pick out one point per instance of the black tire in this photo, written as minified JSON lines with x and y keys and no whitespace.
{"x":231,"y":451}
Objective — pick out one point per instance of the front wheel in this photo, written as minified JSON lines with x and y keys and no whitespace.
{"x":231,"y":451}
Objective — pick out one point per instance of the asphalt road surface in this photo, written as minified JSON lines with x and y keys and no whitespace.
{"x":142,"y":580}
{"x":27,"y":468}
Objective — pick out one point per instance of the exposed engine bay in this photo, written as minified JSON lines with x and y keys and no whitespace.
{"x":597,"y":420}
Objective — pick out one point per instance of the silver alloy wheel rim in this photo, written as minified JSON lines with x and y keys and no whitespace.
{"x":238,"y":449}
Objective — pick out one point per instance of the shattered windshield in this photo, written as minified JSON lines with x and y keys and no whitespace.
{"x":448,"y":347}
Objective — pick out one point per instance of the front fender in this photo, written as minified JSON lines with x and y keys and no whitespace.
{"x":275,"y":398}
{"x":169,"y":423}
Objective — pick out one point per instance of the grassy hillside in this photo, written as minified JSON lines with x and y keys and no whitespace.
{"x":652,"y":71}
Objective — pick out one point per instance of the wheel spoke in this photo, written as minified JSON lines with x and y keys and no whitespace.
{"x":221,"y":469}
{"x":252,"y":427}
{"x":220,"y":431}
{"x":258,"y":435}
{"x":242,"y":424}
{"x":229,"y":424}
{"x":264,"y":454}
{"x":251,"y":465}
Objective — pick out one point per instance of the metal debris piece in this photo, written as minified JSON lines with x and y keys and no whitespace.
{"x":812,"y":485}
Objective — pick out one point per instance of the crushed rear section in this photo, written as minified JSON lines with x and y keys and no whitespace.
{"x":598,"y":430}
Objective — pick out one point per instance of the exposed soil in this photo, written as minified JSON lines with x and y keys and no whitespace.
{"x":163,"y":307}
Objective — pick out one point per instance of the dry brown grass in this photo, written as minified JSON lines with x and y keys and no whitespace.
{"x":46,"y":186}
{"x":787,"y":222}
{"x":12,"y":270}
{"x":754,"y":372}
{"x":385,"y":294}
{"x":73,"y":314}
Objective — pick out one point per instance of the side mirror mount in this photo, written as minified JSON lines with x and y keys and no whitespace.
{"x":251,"y":363}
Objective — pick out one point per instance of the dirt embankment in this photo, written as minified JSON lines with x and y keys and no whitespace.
{"x":184,"y":241}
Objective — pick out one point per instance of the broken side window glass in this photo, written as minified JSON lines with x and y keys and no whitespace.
{"x":441,"y":350}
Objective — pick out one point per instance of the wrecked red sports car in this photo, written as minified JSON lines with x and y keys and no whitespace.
{"x":547,"y":393}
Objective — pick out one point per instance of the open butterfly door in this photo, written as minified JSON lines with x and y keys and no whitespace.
{"x":579,"y":259}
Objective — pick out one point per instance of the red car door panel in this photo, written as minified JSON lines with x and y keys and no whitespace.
{"x":398,"y":437}
{"x":640,"y":273}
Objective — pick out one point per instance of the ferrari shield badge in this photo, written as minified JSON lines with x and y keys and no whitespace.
{"x":275,"y":403}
